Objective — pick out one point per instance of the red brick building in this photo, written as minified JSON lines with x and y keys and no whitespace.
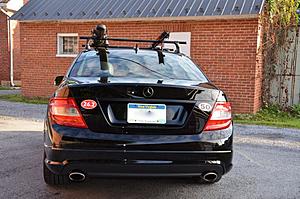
{"x":224,"y":39}
{"x":7,"y":9}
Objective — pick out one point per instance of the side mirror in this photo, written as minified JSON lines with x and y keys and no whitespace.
{"x":58,"y":80}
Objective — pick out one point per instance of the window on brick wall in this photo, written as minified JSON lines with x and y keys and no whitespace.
{"x":67,"y":44}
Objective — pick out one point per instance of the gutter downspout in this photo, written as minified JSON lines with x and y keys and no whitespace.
{"x":11,"y":53}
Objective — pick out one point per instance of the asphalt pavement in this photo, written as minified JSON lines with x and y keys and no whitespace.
{"x":266,"y":165}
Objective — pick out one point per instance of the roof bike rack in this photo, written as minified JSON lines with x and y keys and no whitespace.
{"x":99,"y":39}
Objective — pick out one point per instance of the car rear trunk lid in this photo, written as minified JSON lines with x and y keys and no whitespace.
{"x":183,"y":115}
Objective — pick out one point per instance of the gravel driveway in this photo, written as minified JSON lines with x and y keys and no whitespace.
{"x":13,"y":91}
{"x":266,"y":165}
{"x":21,"y":110}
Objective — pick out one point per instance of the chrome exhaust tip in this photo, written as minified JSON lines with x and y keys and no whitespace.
{"x":77,"y":176}
{"x":210,"y":177}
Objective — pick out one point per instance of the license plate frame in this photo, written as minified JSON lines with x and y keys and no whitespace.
{"x":139,"y":113}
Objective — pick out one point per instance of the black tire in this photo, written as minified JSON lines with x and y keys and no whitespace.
{"x":54,"y":179}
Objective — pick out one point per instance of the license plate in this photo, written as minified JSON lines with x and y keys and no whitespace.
{"x":147,"y":113}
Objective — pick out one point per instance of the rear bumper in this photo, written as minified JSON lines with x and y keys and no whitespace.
{"x":137,"y":163}
{"x":103,"y":154}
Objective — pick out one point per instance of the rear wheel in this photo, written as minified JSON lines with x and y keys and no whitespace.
{"x":53,"y":179}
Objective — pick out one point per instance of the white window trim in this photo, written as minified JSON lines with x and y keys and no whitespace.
{"x":57,"y":44}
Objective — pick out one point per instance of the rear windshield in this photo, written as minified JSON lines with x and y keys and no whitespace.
{"x":143,"y":64}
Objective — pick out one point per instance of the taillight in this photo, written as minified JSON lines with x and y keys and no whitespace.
{"x":220,"y":117}
{"x":64,"y":111}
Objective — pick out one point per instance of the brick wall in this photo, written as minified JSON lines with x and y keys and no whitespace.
{"x":225,"y":49}
{"x":4,"y":53}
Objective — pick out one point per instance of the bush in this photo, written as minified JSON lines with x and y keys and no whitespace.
{"x":295,"y":110}
{"x":272,"y":115}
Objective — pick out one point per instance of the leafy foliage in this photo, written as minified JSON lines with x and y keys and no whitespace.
{"x":273,"y":115}
{"x":295,"y":111}
{"x":283,"y":13}
{"x":280,"y":22}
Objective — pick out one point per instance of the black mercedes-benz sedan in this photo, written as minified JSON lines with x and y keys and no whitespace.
{"x":149,"y":112}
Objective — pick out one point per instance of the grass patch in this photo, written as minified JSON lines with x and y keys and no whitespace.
{"x":4,"y":88}
{"x":20,"y":98}
{"x":272,"y":116}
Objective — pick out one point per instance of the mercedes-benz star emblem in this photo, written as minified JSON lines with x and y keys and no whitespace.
{"x":148,"y":92}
